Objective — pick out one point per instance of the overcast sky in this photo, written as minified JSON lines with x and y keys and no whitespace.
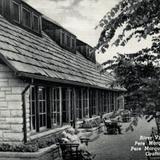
{"x":78,"y":16}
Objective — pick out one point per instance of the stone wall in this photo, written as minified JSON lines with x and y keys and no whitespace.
{"x":11,"y":113}
{"x":49,"y":153}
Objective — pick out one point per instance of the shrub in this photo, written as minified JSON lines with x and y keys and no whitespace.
{"x":91,"y":123}
{"x":18,"y":148}
{"x":29,"y":147}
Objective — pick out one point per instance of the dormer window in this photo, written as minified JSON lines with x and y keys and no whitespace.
{"x":26,"y":18}
{"x":86,"y":50}
{"x":67,"y":40}
{"x":64,"y":38}
{"x":16,"y":12}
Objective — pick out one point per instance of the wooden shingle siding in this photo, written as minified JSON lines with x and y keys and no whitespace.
{"x":28,"y":53}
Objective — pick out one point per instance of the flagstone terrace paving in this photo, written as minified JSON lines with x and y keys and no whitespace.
{"x":118,"y":147}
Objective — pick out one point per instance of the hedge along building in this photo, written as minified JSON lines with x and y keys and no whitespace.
{"x":47,"y":76}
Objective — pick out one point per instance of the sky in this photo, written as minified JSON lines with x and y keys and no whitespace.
{"x":81,"y":17}
{"x":78,"y":16}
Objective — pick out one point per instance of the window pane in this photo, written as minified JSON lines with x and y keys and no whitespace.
{"x":44,"y":120}
{"x":33,"y":108}
{"x":32,"y":113}
{"x":41,"y":107}
{"x":73,"y":43}
{"x":33,"y":123}
{"x":26,"y":18}
{"x":35,"y":23}
{"x":63,"y":38}
{"x":1,"y":6}
{"x":68,"y":41}
{"x":56,"y":106}
{"x":41,"y":120}
{"x":16,"y":12}
{"x":54,"y":117}
{"x":33,"y":94}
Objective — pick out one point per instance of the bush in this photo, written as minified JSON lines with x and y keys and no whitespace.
{"x":91,"y":123}
{"x":29,"y":147}
{"x":18,"y":148}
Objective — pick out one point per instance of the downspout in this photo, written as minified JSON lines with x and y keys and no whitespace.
{"x":24,"y":113}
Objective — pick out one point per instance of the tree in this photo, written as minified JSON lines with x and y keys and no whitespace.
{"x":138,"y":72}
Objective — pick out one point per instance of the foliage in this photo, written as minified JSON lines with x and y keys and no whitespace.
{"x":94,"y":122}
{"x":141,"y":17}
{"x":29,"y":147}
{"x":138,"y":72}
{"x":18,"y":148}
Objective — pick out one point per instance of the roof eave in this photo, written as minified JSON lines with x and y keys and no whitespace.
{"x":56,"y":80}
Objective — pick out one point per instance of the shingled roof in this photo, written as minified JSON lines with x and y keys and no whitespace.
{"x":41,"y":58}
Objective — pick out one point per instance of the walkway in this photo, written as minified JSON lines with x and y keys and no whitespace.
{"x":118,"y":147}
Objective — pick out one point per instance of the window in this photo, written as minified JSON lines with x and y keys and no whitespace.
{"x":106,"y":100}
{"x":85,"y":103}
{"x":32,"y":102}
{"x":112,"y":101}
{"x":35,"y":23}
{"x":65,"y":105}
{"x":38,"y":109}
{"x":73,"y":43}
{"x":72,"y":104}
{"x":92,"y":102}
{"x":78,"y":104}
{"x":67,"y":40}
{"x":63,"y":38}
{"x":16,"y":12}
{"x":42,"y":107}
{"x":26,"y":18}
{"x":1,"y":6}
{"x":55,"y":108}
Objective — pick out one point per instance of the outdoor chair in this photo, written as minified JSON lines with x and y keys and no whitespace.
{"x":112,"y":127}
{"x":126,"y":118}
{"x":70,"y":151}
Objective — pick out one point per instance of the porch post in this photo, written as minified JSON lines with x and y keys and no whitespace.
{"x":60,"y":105}
{"x":109,"y":99}
{"x":96,"y":102}
{"x":88,"y":102}
{"x":74,"y":108}
{"x":69,"y":104}
{"x":82,"y":102}
{"x":114,"y":94}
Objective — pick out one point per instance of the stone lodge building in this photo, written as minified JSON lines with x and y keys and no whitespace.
{"x":48,"y":77}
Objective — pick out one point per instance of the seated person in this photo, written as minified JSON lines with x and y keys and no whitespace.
{"x":69,"y":136}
